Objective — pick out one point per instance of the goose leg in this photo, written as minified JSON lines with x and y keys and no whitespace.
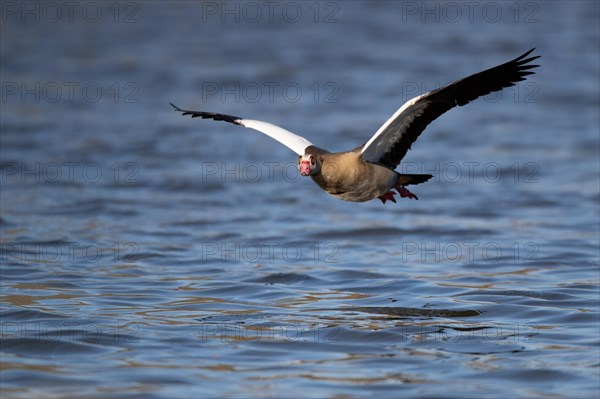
{"x":389,"y":196}
{"x":404,"y":193}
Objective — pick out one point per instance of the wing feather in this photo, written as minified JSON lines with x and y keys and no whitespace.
{"x":393,"y":139}
{"x":291,"y":140}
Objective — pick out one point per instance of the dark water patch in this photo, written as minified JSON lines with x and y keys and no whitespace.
{"x":581,"y":286}
{"x":44,"y":347}
{"x":88,"y":207}
{"x":414,"y":312}
{"x":160,"y":233}
{"x":26,"y":128}
{"x":358,"y":233}
{"x":6,"y":223}
{"x":125,"y":185}
{"x":191,"y":186}
{"x":547,"y":376}
{"x":27,"y":314}
{"x":53,"y":381}
{"x":348,"y":275}
{"x":208,"y":270}
{"x":193,"y":223}
{"x":538,"y":201}
{"x":221,"y":236}
{"x":23,"y":246}
{"x":482,"y":348}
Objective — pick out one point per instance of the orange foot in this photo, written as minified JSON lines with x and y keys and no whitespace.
{"x":389,"y":196}
{"x":404,"y":193}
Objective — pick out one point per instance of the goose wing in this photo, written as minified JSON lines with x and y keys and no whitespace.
{"x":394,"y":138}
{"x":292,"y":141}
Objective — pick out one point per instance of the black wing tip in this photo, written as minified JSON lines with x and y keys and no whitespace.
{"x":528,"y":66}
{"x":185,"y":112}
{"x":525,"y":54}
{"x":208,"y":115}
{"x":520,"y":59}
{"x":176,"y":107}
{"x":523,"y":64}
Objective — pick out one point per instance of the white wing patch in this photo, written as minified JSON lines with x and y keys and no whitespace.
{"x":380,"y":143}
{"x":292,"y":141}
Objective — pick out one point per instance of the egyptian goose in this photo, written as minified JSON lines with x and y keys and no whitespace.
{"x":367,"y":171}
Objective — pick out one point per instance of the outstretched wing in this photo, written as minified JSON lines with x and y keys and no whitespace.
{"x":294,"y":142}
{"x":392,"y":140}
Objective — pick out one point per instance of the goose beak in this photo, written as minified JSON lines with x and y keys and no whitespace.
{"x":305,"y":168}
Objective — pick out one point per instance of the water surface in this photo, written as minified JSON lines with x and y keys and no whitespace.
{"x":149,"y":255}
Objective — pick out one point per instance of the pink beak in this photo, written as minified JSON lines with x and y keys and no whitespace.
{"x":304,"y":168}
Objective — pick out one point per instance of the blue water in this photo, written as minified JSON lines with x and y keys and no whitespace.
{"x":145,"y":254}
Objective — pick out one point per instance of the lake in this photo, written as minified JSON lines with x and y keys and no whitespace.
{"x":149,"y":255}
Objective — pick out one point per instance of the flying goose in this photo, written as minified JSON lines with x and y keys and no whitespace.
{"x":367,"y":172}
